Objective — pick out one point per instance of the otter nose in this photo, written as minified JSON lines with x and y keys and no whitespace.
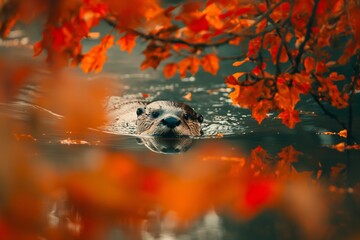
{"x":171,"y":122}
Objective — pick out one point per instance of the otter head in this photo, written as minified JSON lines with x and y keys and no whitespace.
{"x":167,"y":118}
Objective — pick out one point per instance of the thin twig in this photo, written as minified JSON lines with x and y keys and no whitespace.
{"x":181,"y":41}
{"x":330,"y":114}
{"x":239,"y":57}
{"x":277,"y":28}
{"x":307,"y":37}
{"x":327,"y":112}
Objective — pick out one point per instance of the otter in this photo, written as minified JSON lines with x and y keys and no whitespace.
{"x":168,"y":118}
{"x":152,"y":118}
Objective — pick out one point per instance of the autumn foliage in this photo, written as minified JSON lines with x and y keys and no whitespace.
{"x":291,"y":45}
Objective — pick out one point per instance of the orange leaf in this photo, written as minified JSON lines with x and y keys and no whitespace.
{"x":7,"y":23}
{"x":96,"y":57}
{"x":210,"y":63}
{"x":231,"y":81}
{"x":221,"y":135}
{"x":238,"y":75}
{"x":238,"y":63}
{"x":38,"y":48}
{"x":259,"y":112}
{"x":309,"y":64}
{"x":188,"y":96}
{"x":127,"y":42}
{"x":321,"y":68}
{"x":170,"y":70}
{"x":236,"y":41}
{"x":194,"y":65}
{"x":184,"y":65}
{"x":343,"y":133}
{"x":278,"y":46}
{"x":107,"y":41}
{"x":150,"y":61}
{"x":289,"y":117}
{"x":199,"y":24}
{"x":339,"y":147}
{"x":334,"y":76}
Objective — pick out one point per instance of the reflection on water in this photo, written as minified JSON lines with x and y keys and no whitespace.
{"x":166,"y":227}
{"x":167,"y":145}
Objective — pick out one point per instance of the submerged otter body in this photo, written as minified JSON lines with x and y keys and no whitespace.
{"x":157,"y":118}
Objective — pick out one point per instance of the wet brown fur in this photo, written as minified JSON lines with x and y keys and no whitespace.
{"x":147,"y":124}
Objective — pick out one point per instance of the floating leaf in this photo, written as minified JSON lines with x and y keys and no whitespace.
{"x":339,"y":147}
{"x":343,"y":133}
{"x":238,"y":63}
{"x":188,"y":96}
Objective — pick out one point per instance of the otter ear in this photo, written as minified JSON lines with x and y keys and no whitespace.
{"x":200,"y":118}
{"x":139,"y":111}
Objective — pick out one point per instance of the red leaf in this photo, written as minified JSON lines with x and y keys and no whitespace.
{"x":290,"y":117}
{"x":354,"y":21}
{"x":194,"y":65}
{"x":321,"y":68}
{"x":150,"y":61}
{"x":170,"y":70}
{"x":198,"y":25}
{"x":184,"y":65}
{"x":96,"y":57}
{"x":38,"y":48}
{"x":231,"y":81}
{"x":107,"y":41}
{"x":309,"y":64}
{"x":127,"y":42}
{"x":334,"y":76}
{"x":238,"y":63}
{"x":210,"y":63}
{"x":259,"y":112}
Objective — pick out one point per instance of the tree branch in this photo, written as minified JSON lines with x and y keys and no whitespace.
{"x":307,"y":37}
{"x":351,"y":97}
{"x":330,"y":114}
{"x":282,"y":36}
{"x":229,"y":36}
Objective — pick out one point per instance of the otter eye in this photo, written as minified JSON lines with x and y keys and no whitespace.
{"x":186,"y":116}
{"x":200,"y":118}
{"x":139,"y":111}
{"x":155,"y":114}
